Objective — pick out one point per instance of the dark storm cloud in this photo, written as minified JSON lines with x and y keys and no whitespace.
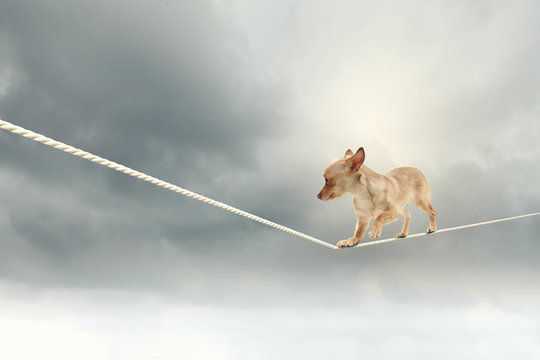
{"x":155,"y":86}
{"x":163,"y":88}
{"x":173,"y":92}
{"x":135,"y":85}
{"x":192,"y":92}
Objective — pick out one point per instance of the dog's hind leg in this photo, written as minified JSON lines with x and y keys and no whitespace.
{"x":386,"y":217}
{"x":425,"y":206}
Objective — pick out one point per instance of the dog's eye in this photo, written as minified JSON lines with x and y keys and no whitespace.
{"x":326,"y":180}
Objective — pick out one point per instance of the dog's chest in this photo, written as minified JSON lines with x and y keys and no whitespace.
{"x":363,"y":205}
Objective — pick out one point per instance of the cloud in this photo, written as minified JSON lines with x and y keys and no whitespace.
{"x":376,"y":329}
{"x":178,"y":104}
{"x":221,"y":100}
{"x":137,"y":86}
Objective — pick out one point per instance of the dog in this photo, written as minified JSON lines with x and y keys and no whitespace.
{"x":377,"y":196}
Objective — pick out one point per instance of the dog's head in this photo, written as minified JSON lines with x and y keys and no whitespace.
{"x":338,"y":176}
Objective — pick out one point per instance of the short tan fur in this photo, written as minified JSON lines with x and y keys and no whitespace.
{"x":377,"y":196}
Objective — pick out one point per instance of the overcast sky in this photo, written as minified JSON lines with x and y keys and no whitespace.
{"x":247,"y":102}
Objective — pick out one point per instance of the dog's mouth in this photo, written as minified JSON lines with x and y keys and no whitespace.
{"x":327,"y":198}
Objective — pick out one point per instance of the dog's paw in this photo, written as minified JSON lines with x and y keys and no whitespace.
{"x":431,"y":229}
{"x":348,"y":242}
{"x":374,"y":233}
{"x":402,"y":235}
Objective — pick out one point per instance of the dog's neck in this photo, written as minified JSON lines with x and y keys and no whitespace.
{"x":365,"y":171}
{"x":365,"y":178}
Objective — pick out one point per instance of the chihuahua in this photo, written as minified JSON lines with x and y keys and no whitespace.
{"x":377,"y":196}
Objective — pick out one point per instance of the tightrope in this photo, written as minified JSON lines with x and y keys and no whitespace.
{"x":377,"y":242}
{"x":139,"y":175}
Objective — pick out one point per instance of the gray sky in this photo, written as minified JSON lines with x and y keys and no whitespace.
{"x":247,"y":102}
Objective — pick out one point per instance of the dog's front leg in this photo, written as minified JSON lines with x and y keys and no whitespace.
{"x":361,"y":227}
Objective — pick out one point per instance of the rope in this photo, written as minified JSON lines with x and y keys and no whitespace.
{"x":139,"y":175}
{"x":377,"y":242}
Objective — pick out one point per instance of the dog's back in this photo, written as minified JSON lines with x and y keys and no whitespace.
{"x":412,"y":184}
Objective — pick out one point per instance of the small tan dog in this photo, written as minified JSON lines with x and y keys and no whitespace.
{"x":377,"y":196}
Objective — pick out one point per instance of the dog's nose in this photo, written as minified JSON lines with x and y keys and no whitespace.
{"x":318,"y":195}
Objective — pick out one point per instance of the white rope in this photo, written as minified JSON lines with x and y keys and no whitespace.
{"x":85,"y":155}
{"x":377,"y":242}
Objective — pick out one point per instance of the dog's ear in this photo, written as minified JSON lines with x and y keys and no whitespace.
{"x":357,"y":160}
{"x":349,"y":153}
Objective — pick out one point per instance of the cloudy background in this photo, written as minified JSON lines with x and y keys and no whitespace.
{"x":246,"y":102}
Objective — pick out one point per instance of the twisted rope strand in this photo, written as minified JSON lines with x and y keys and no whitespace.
{"x":121,"y":168}
{"x":377,"y":242}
